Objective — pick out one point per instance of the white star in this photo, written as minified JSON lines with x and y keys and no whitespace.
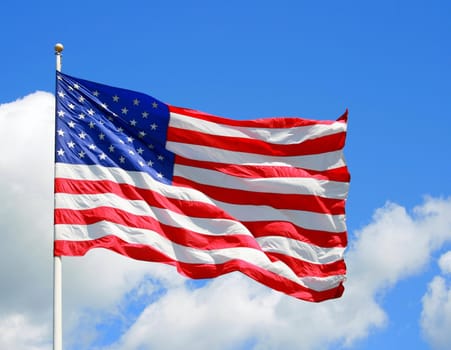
{"x":122,"y":159}
{"x":140,"y":150}
{"x":60,"y":132}
{"x":119,"y":129}
{"x":136,"y":102}
{"x":92,"y":146}
{"x":81,"y":116}
{"x":154,"y":104}
{"x":96,"y":93}
{"x":92,"y":125}
{"x":61,"y":113}
{"x":111,"y":148}
{"x":60,"y":152}
{"x":160,"y":157}
{"x":102,"y":156}
{"x":149,"y":163}
{"x":71,"y":144}
{"x":82,"y":135}
{"x":121,"y":142}
{"x":61,"y":94}
{"x":124,"y":110}
{"x":145,"y":114}
{"x":131,"y":152}
{"x":81,"y":154}
{"x":102,"y":136}
{"x":130,"y":139}
{"x":133,"y":122}
{"x":141,"y":163}
{"x":71,"y":106}
{"x":116,"y":98}
{"x":141,"y":134}
{"x":71,"y":124}
{"x":81,"y":99}
{"x":91,"y":112}
{"x":154,"y":126}
{"x":76,"y":86}
{"x":151,"y":146}
{"x":160,"y":175}
{"x":104,"y":105}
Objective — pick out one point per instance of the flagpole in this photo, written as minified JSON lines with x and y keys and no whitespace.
{"x":57,"y":263}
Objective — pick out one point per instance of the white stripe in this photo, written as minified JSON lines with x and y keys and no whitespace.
{"x":300,"y":250}
{"x":134,"y":178}
{"x":306,"y":219}
{"x":191,"y":255}
{"x":283,"y":136}
{"x":320,"y":162}
{"x":286,"y":185}
{"x":219,"y":227}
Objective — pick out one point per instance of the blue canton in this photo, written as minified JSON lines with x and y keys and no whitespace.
{"x":111,"y":127}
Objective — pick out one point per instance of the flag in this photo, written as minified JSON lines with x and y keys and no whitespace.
{"x":206,"y":194}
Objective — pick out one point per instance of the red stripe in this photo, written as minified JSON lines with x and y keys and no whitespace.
{"x":318,"y":145}
{"x":281,"y":122}
{"x":129,"y":192}
{"x":261,"y":171}
{"x":276,"y":200}
{"x":177,"y":235}
{"x":197,"y":271}
{"x":289,"y":230}
{"x":303,"y":268}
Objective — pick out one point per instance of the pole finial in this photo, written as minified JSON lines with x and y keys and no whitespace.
{"x":59,"y":48}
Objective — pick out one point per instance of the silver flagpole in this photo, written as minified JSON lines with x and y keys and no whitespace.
{"x":57,"y":263}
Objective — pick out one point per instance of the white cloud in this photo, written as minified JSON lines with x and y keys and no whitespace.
{"x":25,"y":209}
{"x":94,"y":286}
{"x":225,"y":313}
{"x":26,"y":222}
{"x":222,"y":314}
{"x":18,"y":333}
{"x":436,"y":314}
{"x":445,"y":263}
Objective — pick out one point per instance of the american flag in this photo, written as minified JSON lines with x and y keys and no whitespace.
{"x":206,"y":194}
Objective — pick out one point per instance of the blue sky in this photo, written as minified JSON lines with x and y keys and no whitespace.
{"x":388,"y":62}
